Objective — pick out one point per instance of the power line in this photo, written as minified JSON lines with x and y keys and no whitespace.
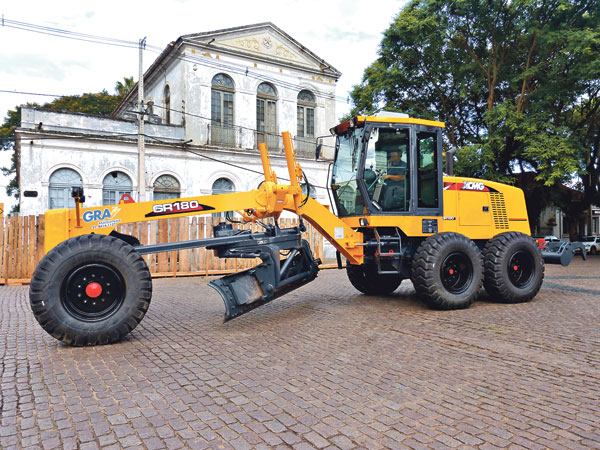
{"x":250,"y":73}
{"x":57,"y":32}
{"x":164,"y":142}
{"x":160,"y":107}
{"x":31,"y":93}
{"x":131,"y":44}
{"x":234,"y":126}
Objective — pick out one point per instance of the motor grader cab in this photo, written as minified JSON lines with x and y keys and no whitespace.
{"x":397,"y":217}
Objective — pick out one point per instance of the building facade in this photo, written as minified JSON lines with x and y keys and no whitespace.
{"x":209,"y":100}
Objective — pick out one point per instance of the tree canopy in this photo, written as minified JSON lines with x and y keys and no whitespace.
{"x":100,"y":103}
{"x":517,"y":83}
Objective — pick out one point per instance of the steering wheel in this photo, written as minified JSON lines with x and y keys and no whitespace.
{"x":378,"y":177}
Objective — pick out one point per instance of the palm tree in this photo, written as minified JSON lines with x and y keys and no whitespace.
{"x":123,"y":87}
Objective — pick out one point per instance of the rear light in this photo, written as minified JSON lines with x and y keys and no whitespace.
{"x":541,"y":243}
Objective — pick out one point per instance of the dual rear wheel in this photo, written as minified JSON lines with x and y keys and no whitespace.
{"x":448,"y":271}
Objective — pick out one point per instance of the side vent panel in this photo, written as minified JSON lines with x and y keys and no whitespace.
{"x":499,"y":210}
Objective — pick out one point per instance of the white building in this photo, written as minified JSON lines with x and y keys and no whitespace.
{"x":210,"y":98}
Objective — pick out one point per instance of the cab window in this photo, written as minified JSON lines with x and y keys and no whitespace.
{"x":427,"y":171}
{"x":386,"y":173}
{"x":344,"y":185}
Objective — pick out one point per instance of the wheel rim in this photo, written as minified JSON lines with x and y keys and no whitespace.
{"x":521,"y":268}
{"x":93,"y":292}
{"x":456,"y":273}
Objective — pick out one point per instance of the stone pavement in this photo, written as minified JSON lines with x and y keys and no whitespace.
{"x":323,"y":367}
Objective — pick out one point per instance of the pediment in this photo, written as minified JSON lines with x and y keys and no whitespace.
{"x":263,"y":41}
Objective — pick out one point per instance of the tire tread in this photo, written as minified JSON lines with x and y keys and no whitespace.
{"x":42,"y":278}
{"x":495,"y":282}
{"x":423,"y":271}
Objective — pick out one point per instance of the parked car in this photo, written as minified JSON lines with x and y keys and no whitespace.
{"x":591,"y":244}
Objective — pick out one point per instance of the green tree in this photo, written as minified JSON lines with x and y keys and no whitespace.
{"x":517,"y":83}
{"x":100,"y":103}
{"x":122,"y":88}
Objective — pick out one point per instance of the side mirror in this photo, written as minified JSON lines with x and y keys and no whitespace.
{"x":77,"y":194}
{"x":450,"y":161}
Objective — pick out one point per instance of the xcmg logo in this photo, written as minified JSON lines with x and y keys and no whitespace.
{"x":473,"y":186}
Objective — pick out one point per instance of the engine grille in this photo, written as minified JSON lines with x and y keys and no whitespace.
{"x":499,"y":210}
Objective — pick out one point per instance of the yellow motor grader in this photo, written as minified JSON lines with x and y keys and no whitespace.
{"x":398,"y":217}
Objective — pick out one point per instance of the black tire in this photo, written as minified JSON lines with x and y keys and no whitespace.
{"x":368,"y":281}
{"x":90,"y":290}
{"x":447,"y":271}
{"x":593,"y":250}
{"x":513,"y":267}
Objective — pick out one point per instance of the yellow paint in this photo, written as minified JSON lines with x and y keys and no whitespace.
{"x":1,"y":209}
{"x":407,"y":120}
{"x":267,"y":201}
{"x":483,"y":211}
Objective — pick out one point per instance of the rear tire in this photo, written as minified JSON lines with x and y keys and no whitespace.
{"x":513,"y":267}
{"x":368,"y":281}
{"x":447,"y":271}
{"x":90,"y":290}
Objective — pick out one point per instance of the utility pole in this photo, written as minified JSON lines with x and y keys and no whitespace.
{"x":141,"y":148}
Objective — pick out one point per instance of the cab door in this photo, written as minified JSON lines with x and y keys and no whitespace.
{"x":428,"y":170}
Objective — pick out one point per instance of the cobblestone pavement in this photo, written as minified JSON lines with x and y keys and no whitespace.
{"x":323,"y":367}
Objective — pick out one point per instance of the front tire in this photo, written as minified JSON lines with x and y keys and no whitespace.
{"x":368,"y":281}
{"x":90,"y":290}
{"x":513,"y":267}
{"x":447,"y":271}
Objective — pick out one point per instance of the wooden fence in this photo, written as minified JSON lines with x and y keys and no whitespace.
{"x":22,"y":246}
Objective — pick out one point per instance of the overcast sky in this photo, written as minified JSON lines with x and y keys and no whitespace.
{"x":345,"y":34}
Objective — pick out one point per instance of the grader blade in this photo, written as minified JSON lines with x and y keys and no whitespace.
{"x":245,"y":291}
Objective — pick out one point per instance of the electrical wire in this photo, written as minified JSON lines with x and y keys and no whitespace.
{"x":235,"y":126}
{"x":244,"y":168}
{"x":57,"y":32}
{"x":207,"y":61}
{"x":154,"y":106}
{"x":131,"y":44}
{"x":29,"y":93}
{"x":172,"y":143}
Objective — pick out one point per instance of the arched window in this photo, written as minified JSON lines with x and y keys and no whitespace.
{"x":167,"y":103}
{"x":59,"y":192}
{"x":266,"y":115}
{"x":221,"y":110}
{"x":222,"y":186}
{"x":306,"y":114}
{"x":166,"y":187}
{"x":114,"y":185}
